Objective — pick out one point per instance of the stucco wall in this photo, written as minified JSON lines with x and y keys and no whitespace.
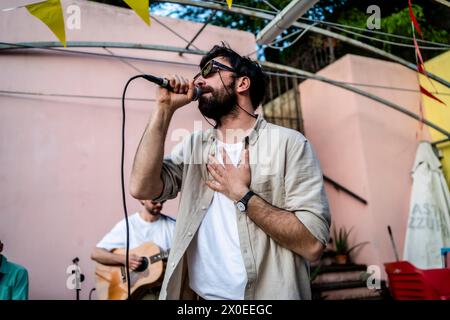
{"x":367,"y":147}
{"x":60,"y":156}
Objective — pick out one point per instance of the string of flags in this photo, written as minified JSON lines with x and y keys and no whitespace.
{"x":419,"y":60}
{"x":51,"y":14}
{"x":141,"y":8}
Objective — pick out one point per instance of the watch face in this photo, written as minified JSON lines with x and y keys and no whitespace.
{"x":240,"y":206}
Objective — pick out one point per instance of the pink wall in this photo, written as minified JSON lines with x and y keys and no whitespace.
{"x":366,"y":147}
{"x":60,"y":156}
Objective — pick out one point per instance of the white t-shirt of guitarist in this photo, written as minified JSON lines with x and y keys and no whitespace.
{"x":160,"y":232}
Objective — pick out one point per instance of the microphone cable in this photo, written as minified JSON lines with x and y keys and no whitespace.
{"x":127,"y":252}
{"x":156,"y":80}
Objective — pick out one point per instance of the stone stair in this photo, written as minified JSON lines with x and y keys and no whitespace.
{"x":344,"y":282}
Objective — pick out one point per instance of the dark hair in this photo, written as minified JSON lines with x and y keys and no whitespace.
{"x":243,"y":66}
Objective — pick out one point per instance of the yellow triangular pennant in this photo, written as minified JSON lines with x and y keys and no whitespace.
{"x":141,"y":8}
{"x":50,"y":13}
{"x":230,"y":3}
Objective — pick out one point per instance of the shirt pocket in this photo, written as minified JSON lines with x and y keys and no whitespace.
{"x":270,"y":188}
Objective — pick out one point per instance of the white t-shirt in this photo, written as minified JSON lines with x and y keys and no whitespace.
{"x":159,"y":232}
{"x":215,"y":263}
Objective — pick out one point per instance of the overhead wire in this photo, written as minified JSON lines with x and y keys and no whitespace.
{"x":64,"y":95}
{"x":344,"y":26}
{"x":393,"y":35}
{"x":124,"y":61}
{"x":22,"y":46}
{"x":289,"y":75}
{"x":293,"y":41}
{"x":387,"y":41}
{"x":174,"y":32}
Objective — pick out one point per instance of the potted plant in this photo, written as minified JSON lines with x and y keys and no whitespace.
{"x":341,"y":245}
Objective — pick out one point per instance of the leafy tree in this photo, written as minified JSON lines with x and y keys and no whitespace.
{"x":433,"y":17}
{"x":398,"y":23}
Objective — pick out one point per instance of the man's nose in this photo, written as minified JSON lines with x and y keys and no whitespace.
{"x":199,"y":82}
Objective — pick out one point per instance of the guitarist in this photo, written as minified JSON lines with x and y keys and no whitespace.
{"x":147,"y":225}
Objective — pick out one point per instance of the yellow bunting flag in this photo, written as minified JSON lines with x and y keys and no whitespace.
{"x":50,"y":13}
{"x":230,"y":3}
{"x":141,"y":8}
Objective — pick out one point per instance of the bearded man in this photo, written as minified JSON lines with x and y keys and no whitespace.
{"x":253,"y":210}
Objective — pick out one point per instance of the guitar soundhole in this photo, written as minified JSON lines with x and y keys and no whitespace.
{"x":143,"y":266}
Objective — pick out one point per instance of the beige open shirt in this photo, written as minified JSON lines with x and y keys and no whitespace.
{"x":285,"y":172}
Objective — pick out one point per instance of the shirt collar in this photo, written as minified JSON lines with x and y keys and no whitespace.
{"x":211,"y":134}
{"x":4,"y":268}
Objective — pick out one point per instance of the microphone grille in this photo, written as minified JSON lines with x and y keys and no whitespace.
{"x":197,"y":93}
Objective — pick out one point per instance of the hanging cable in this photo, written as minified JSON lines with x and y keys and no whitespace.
{"x":289,"y":75}
{"x":124,"y":202}
{"x":274,"y":12}
{"x":174,"y":32}
{"x":387,"y":41}
{"x":341,"y":25}
{"x":270,"y":5}
{"x":68,"y":51}
{"x":122,"y":176}
{"x":65,"y":95}
{"x":393,"y":35}
{"x":276,"y":41}
{"x":124,"y":61}
{"x":294,"y":41}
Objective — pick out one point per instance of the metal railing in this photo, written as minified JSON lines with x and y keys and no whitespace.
{"x":282,"y":104}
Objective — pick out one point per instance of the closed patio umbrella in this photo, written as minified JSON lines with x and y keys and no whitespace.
{"x":428,"y":227}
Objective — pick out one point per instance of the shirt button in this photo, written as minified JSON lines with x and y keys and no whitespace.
{"x":173,"y":264}
{"x":190,"y":234}
{"x":204,"y":208}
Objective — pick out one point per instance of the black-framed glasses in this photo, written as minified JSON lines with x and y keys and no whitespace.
{"x":156,"y":202}
{"x":211,"y":67}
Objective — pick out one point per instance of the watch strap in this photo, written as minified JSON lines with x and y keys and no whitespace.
{"x":247,"y":197}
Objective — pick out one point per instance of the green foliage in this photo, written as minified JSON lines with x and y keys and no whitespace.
{"x":433,"y":18}
{"x":315,"y":271}
{"x":341,"y":243}
{"x":224,"y":19}
{"x":398,"y":23}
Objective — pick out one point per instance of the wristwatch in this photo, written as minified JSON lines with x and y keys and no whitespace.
{"x":242,"y":204}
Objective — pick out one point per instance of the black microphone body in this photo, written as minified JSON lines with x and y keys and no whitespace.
{"x":165,"y":84}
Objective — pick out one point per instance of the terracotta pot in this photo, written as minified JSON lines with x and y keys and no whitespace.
{"x":341,"y":259}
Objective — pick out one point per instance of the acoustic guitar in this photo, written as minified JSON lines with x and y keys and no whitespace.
{"x":111,"y":281}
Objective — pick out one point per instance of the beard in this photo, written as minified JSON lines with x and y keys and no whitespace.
{"x":219,"y":104}
{"x":155,"y":212}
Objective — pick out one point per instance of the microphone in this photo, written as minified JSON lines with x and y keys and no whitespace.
{"x":165,"y":84}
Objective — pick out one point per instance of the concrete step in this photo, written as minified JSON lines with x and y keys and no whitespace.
{"x":344,"y":282}
{"x":338,"y":285}
{"x":338,"y":268}
{"x":339,"y":277}
{"x":351,"y":294}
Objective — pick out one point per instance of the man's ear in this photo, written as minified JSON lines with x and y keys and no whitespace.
{"x":243,"y":84}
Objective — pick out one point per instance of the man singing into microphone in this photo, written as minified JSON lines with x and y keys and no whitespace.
{"x":253,"y":209}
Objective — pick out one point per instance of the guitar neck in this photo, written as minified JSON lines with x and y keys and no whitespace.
{"x":160,"y":256}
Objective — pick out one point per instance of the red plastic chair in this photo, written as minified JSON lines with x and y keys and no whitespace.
{"x":406,"y":282}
